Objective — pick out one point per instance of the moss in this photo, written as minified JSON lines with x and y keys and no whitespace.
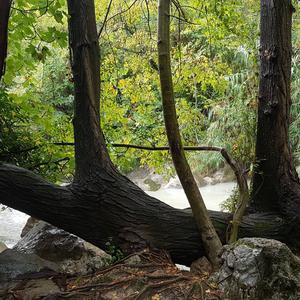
{"x":244,"y":243}
{"x":152,"y":184}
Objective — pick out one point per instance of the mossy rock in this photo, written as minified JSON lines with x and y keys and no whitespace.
{"x":259,"y":269}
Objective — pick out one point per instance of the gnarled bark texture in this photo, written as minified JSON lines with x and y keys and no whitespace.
{"x":111,"y":206}
{"x":275,"y":183}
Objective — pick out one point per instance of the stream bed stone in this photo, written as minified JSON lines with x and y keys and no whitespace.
{"x":259,"y":269}
{"x":71,"y":254}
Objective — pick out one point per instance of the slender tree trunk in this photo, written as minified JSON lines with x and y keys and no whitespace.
{"x":275,"y":183}
{"x":4,"y":17}
{"x":209,"y":236}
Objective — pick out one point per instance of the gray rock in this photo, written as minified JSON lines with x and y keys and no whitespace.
{"x":14,"y":263}
{"x":31,"y":222}
{"x":259,"y":269}
{"x":208,"y":180}
{"x":139,"y":173}
{"x":174,"y":183}
{"x":147,"y":179}
{"x":151,"y":185}
{"x":71,"y":254}
{"x":228,"y":174}
{"x":134,"y":259}
{"x":199,"y":177}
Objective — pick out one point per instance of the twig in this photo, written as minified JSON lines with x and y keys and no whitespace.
{"x":34,"y":9}
{"x":122,"y":11}
{"x":157,"y":285}
{"x":105,"y":18}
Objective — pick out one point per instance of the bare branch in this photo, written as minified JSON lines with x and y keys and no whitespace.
{"x":105,"y":18}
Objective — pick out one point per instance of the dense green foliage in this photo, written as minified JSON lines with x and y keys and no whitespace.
{"x":215,"y":54}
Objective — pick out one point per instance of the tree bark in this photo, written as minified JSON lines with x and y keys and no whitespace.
{"x":275,"y":183}
{"x":112,"y":207}
{"x":90,"y":150}
{"x":4,"y":17}
{"x":210,"y":239}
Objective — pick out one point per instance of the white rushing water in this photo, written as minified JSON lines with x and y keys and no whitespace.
{"x":11,"y":225}
{"x":13,"y":221}
{"x":213,"y":195}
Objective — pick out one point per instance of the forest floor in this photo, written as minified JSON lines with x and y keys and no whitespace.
{"x":141,"y":276}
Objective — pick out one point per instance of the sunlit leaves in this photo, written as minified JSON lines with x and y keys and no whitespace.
{"x":34,"y":27}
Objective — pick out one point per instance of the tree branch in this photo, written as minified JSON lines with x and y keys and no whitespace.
{"x":5,"y":6}
{"x":105,"y":18}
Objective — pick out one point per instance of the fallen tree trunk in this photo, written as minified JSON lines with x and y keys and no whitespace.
{"x":112,"y":207}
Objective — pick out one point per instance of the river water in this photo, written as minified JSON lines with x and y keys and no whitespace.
{"x":12,"y":221}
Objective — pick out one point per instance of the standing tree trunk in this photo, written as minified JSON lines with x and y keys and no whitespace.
{"x":90,"y":150}
{"x":4,"y":17}
{"x":211,"y":241}
{"x":275,"y":183}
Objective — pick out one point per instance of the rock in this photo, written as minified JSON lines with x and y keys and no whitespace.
{"x":208,"y":180}
{"x":138,"y":173}
{"x":146,"y":179}
{"x":14,"y":263}
{"x":31,"y":222}
{"x":201,"y":267}
{"x":199,"y":178}
{"x":228,"y":174}
{"x":71,"y":254}
{"x":152,"y":185}
{"x":31,"y":289}
{"x":174,"y":183}
{"x":2,"y":247}
{"x":153,"y":181}
{"x":224,"y":174}
{"x":218,"y":177}
{"x":138,"y":176}
{"x":259,"y":269}
{"x":132,"y":260}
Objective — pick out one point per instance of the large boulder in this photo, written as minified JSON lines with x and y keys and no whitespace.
{"x":14,"y":264}
{"x":259,"y":269}
{"x":71,"y":254}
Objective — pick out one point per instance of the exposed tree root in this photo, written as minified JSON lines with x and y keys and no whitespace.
{"x":153,"y":277}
